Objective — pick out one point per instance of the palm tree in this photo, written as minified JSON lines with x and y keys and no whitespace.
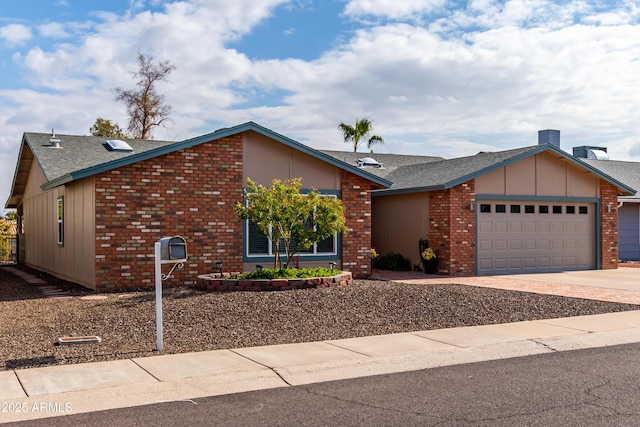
{"x":360,"y":133}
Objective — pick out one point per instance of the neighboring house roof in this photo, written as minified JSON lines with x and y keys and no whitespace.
{"x":390,"y":162}
{"x":83,"y":156}
{"x":441,"y":174}
{"x":627,"y":172}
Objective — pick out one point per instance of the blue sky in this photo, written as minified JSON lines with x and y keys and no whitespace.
{"x":436,"y":77}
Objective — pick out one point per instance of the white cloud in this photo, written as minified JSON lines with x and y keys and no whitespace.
{"x":483,"y":78}
{"x":53,"y":30}
{"x":15,"y":34}
{"x":392,"y":9}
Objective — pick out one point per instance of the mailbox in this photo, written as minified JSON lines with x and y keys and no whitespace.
{"x":173,"y":249}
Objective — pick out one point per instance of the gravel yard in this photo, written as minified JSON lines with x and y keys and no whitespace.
{"x":197,"y":321}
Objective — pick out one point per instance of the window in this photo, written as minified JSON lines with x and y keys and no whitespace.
{"x":582,"y":210}
{"x":501,"y":208}
{"x":557,"y":209}
{"x":486,"y":208}
{"x":543,"y":209}
{"x":570,"y":209}
{"x":515,"y":208}
{"x":529,"y":209}
{"x":261,"y":246}
{"x":258,"y":245}
{"x":60,"y":219}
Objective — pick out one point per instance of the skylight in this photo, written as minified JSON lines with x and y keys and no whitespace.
{"x":117,"y":145}
{"x":368,"y":161}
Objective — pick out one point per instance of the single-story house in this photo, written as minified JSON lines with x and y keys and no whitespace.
{"x":628,"y":206}
{"x":94,"y":208}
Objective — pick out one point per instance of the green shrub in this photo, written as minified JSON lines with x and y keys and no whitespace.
{"x":289,"y":273}
{"x":393,"y":261}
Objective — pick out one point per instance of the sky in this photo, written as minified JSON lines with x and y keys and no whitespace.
{"x":447,"y":78}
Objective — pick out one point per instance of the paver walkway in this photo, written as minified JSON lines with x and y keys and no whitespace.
{"x":49,"y":291}
{"x":513,"y":284}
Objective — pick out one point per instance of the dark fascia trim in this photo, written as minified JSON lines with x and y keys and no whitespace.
{"x":219,"y":134}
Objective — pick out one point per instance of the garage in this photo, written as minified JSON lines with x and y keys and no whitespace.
{"x":535,"y":236}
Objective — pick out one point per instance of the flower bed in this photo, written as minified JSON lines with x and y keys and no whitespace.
{"x":215,"y":282}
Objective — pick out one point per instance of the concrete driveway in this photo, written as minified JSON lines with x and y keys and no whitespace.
{"x":624,"y":278}
{"x":621,"y":285}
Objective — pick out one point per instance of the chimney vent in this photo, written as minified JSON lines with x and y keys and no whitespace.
{"x":549,"y":136}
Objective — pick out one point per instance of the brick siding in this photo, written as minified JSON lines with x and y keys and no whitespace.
{"x":356,"y":243}
{"x":609,"y":225}
{"x":452,"y":231}
{"x":190,"y":193}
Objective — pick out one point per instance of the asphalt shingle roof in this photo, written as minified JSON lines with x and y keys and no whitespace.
{"x":80,"y":152}
{"x":390,"y":162}
{"x":80,"y":156}
{"x":627,"y":172}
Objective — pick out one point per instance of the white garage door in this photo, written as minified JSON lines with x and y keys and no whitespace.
{"x":530,"y":237}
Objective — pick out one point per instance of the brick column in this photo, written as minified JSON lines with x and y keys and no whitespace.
{"x":356,"y":243}
{"x":452,"y":229}
{"x":608,"y":225}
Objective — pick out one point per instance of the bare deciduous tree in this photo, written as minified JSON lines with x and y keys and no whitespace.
{"x":145,"y":105}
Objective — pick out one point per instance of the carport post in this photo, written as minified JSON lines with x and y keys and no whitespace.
{"x":158,"y":296}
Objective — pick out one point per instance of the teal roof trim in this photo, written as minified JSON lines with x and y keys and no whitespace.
{"x":219,"y":134}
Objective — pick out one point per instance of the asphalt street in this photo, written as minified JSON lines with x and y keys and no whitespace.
{"x":592,"y":387}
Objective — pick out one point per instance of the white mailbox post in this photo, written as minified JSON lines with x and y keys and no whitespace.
{"x":168,"y":250}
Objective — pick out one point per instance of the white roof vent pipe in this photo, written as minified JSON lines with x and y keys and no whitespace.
{"x":55,"y":142}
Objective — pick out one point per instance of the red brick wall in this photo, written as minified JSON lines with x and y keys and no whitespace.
{"x":452,"y":230}
{"x":189,"y":193}
{"x":609,"y":225}
{"x":356,"y":243}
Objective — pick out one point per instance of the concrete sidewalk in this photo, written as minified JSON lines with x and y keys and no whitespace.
{"x":71,"y":389}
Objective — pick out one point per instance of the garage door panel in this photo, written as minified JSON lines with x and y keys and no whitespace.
{"x":544,"y":262}
{"x":501,"y":245}
{"x":501,"y":263}
{"x":485,"y":245}
{"x":550,"y":239}
{"x":485,"y":226}
{"x":514,"y":263}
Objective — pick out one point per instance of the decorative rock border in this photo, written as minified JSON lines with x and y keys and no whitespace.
{"x":227,"y":283}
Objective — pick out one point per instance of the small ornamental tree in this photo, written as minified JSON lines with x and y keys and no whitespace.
{"x":289,"y":218}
